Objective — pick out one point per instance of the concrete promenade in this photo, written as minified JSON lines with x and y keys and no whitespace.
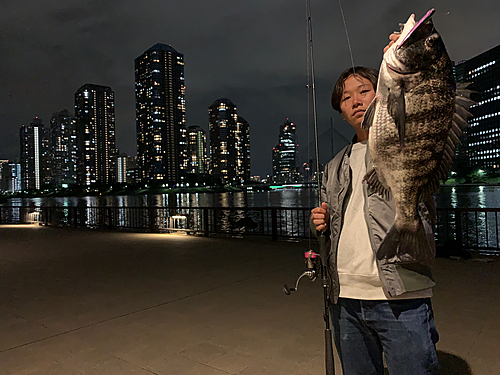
{"x":92,"y":302}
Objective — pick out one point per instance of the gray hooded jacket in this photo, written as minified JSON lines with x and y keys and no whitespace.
{"x":379,"y":215}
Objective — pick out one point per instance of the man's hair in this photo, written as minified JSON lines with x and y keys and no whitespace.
{"x":368,"y":73}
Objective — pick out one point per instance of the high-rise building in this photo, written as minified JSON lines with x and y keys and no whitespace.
{"x":229,"y":143}
{"x":4,"y":164}
{"x":160,"y":115}
{"x":285,"y":155}
{"x":34,"y":155}
{"x":126,"y":169}
{"x":481,"y":142}
{"x":242,"y":150}
{"x":11,"y":177}
{"x":196,"y":149}
{"x":63,"y":149}
{"x":121,"y":168}
{"x":95,"y":123}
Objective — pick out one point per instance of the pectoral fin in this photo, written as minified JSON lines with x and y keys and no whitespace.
{"x":396,"y":107}
{"x":373,"y":181}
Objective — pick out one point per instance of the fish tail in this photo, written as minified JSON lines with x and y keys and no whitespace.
{"x":404,"y":245}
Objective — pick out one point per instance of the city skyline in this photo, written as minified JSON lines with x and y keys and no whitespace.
{"x":251,"y":52}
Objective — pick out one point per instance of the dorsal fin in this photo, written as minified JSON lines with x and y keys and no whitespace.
{"x":459,"y":123}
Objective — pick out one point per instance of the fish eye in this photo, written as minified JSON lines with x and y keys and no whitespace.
{"x":431,"y":39}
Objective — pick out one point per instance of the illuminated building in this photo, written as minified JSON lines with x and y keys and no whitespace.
{"x":229,"y":143}
{"x":63,"y":149}
{"x":242,"y":150}
{"x":95,"y":124}
{"x":126,"y":169}
{"x":160,"y":115}
{"x":34,"y":155}
{"x":481,"y":143}
{"x":11,"y":177}
{"x":197,"y":149}
{"x":4,"y":166}
{"x":121,"y":169}
{"x":285,"y":155}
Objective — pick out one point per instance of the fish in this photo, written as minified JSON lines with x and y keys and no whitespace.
{"x":415,"y":122}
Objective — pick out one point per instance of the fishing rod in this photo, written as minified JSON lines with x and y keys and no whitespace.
{"x":313,"y":260}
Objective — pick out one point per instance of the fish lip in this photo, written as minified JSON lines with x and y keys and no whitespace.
{"x":398,"y":71}
{"x":417,"y":25}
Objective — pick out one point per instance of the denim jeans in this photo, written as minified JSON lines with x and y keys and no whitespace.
{"x":401,"y":330}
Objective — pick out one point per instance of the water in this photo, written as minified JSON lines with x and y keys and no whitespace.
{"x":275,"y":198}
{"x":468,"y":197}
{"x":447,"y":197}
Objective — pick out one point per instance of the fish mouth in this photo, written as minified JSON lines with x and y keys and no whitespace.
{"x":417,"y":25}
{"x":393,"y":63}
{"x":399,"y":71}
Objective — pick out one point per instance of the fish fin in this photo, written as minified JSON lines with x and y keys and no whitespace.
{"x":373,"y":181}
{"x":396,"y":107}
{"x":389,"y":247}
{"x":462,"y":90}
{"x":464,"y":101}
{"x":458,"y":124}
{"x":403,"y":246}
{"x":369,"y":115}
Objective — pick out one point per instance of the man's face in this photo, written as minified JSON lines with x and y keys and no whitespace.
{"x":358,"y":94}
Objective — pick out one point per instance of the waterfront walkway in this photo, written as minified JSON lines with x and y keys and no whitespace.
{"x":92,"y":302}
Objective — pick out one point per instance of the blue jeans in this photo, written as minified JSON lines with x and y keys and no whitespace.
{"x":403,"y":330}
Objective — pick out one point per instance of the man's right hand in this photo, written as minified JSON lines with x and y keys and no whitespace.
{"x":321,"y":217}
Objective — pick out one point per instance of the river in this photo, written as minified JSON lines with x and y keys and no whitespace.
{"x":447,"y":197}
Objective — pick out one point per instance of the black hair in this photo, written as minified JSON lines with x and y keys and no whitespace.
{"x":368,"y":73}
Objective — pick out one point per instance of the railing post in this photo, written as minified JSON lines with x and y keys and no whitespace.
{"x":152,"y":219}
{"x":458,"y":228}
{"x":110,"y":220}
{"x":75,"y":216}
{"x":22,"y":215}
{"x":205,"y":221}
{"x":274,"y":223}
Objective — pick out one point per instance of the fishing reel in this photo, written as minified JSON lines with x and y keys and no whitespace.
{"x":312,"y":261}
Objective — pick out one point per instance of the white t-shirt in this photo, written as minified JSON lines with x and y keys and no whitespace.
{"x":356,"y":263}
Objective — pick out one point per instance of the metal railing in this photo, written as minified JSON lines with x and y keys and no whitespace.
{"x":457,"y":229}
{"x":275,"y":222}
{"x":475,"y":229}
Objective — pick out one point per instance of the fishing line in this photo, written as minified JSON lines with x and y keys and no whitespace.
{"x":313,"y":93}
{"x":347,"y":36}
{"x":308,"y":86}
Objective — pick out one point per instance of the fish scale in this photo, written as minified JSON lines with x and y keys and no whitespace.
{"x":415,"y":122}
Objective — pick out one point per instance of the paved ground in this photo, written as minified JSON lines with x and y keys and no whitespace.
{"x":89,"y":302}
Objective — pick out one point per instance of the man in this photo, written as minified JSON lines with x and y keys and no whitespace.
{"x":378,"y":309}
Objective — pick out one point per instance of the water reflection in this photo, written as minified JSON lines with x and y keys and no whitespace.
{"x":454,"y":197}
{"x":481,"y":197}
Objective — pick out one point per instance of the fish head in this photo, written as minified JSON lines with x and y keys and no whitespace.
{"x":418,"y":49}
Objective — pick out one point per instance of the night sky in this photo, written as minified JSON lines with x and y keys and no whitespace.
{"x":250,"y":51}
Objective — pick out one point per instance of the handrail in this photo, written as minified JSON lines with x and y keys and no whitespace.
{"x":457,"y":229}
